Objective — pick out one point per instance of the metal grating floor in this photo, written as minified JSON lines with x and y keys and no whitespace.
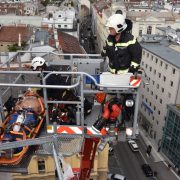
{"x":22,"y":166}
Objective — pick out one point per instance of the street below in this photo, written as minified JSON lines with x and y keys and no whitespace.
{"x":126,"y":162}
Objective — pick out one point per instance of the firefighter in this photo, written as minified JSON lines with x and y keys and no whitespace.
{"x":111,"y":111}
{"x":122,"y":49}
{"x":39,"y":64}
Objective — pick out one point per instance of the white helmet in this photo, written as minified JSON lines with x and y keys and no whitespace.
{"x":37,"y":62}
{"x":117,"y":21}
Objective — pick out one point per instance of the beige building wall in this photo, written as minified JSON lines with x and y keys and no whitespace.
{"x":4,"y":46}
{"x":163,"y":89}
{"x":99,"y":171}
{"x":142,"y":20}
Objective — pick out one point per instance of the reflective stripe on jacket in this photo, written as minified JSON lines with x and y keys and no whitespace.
{"x":113,"y":71}
{"x":124,"y":53}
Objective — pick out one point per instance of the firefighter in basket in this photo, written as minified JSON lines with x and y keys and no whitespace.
{"x":59,"y":113}
{"x":109,"y":118}
{"x":122,"y":49}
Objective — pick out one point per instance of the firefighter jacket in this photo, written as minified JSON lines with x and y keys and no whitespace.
{"x":53,"y":79}
{"x":122,"y":54}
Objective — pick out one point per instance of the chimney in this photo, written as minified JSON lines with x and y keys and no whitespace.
{"x":19,"y":40}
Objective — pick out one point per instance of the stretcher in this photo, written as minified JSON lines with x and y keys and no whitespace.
{"x":24,"y":122}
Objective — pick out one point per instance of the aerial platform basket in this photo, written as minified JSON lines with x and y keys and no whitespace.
{"x":125,"y":80}
{"x":66,"y":145}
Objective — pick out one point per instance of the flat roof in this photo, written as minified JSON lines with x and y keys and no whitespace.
{"x":165,"y":51}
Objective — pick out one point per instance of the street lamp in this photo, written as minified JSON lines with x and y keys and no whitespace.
{"x":129,"y":131}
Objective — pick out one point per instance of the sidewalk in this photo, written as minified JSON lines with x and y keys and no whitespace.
{"x":158,"y":157}
{"x":154,"y":152}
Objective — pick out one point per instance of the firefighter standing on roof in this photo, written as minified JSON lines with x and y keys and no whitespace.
{"x":122,"y":49}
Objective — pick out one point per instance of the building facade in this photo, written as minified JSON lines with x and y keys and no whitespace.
{"x":43,"y":167}
{"x":148,"y":22}
{"x":170,"y":144}
{"x":161,"y":64}
{"x":63,"y":19}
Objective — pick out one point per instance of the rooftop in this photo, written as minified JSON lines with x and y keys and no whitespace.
{"x":164,"y":50}
{"x":11,"y":33}
{"x":168,"y":16}
{"x":69,"y":44}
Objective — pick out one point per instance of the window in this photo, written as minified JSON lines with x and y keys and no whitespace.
{"x":146,"y":66}
{"x":150,"y":69}
{"x":65,"y":25}
{"x":142,"y":63}
{"x":154,"y":108}
{"x":154,"y":71}
{"x":169,"y":95}
{"x":41,"y":166}
{"x":149,"y":29}
{"x":161,"y":63}
{"x":160,"y":101}
{"x":164,"y":78}
{"x":157,"y":86}
{"x":153,"y":82}
{"x":173,"y":71}
{"x":152,"y":57}
{"x":159,"y":112}
{"x":59,"y":26}
{"x":140,"y":32}
{"x":159,"y":74}
{"x":152,"y":93}
{"x":162,"y":89}
{"x":147,"y":89}
{"x":156,"y":96}
{"x":166,"y":66}
{"x":156,"y":60}
{"x":171,"y":83}
{"x":147,"y":54}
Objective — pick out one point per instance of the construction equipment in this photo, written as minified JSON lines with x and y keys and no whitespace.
{"x":59,"y":135}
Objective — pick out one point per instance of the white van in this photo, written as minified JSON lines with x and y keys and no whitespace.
{"x":116,"y":177}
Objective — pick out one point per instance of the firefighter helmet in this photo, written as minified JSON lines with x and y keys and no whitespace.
{"x":37,"y":62}
{"x":117,"y":21}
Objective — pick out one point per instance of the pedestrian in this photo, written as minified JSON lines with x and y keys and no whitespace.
{"x":122,"y":49}
{"x":169,"y":166}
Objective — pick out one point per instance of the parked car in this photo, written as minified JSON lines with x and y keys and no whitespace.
{"x":116,"y":177}
{"x":133,"y":145}
{"x":147,"y":170}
